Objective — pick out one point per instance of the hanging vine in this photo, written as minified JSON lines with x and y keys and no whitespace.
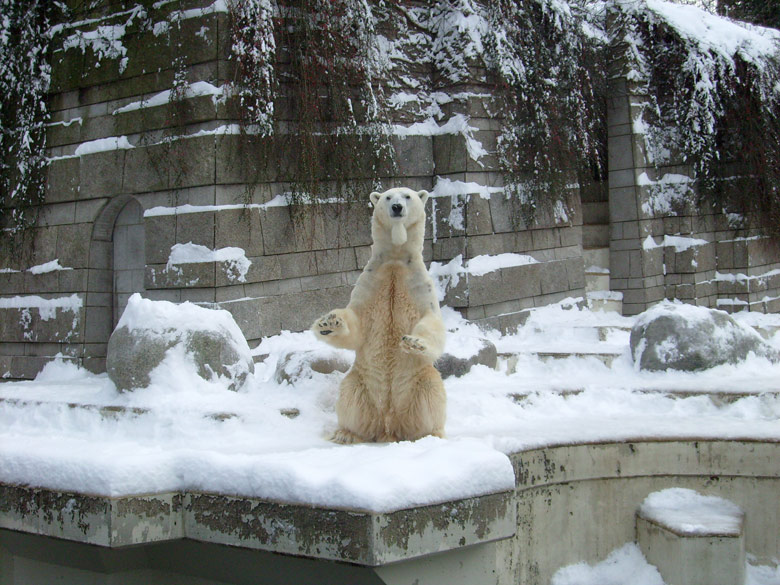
{"x":25,"y":74}
{"x":550,"y":61}
{"x":713,"y":105}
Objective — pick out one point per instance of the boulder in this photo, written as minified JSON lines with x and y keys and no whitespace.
{"x":151,"y":331}
{"x":483,"y":353}
{"x":688,"y":338}
{"x":295,"y":365}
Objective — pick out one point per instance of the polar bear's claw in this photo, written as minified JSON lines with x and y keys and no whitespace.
{"x":411,"y":344}
{"x":328,"y":324}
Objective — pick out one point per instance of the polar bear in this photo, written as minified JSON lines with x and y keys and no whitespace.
{"x":394,"y":324}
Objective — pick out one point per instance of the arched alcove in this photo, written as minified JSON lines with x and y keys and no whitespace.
{"x":129,"y":257}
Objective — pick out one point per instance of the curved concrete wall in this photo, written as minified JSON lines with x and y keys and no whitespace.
{"x":572,"y":503}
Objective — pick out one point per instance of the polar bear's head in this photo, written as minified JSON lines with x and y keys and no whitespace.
{"x":398,"y":209}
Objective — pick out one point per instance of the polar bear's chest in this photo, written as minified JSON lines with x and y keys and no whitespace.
{"x":391,"y":307}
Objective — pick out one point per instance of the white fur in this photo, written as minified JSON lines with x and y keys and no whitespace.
{"x":394,"y":324}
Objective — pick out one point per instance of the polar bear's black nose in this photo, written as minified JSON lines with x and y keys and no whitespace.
{"x":397,"y":208}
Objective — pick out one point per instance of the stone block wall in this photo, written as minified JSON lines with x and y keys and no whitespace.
{"x":132,"y":175}
{"x":664,"y":246}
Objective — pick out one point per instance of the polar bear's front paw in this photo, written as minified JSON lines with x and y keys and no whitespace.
{"x":330,"y":323}
{"x":411,"y":344}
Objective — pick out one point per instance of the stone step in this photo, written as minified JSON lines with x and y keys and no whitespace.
{"x":595,"y":236}
{"x":692,"y":539}
{"x":596,"y":279}
{"x":511,"y":361}
{"x":605,"y":300}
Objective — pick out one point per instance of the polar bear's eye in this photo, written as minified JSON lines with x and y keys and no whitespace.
{"x":388,"y":197}
{"x":407,"y":196}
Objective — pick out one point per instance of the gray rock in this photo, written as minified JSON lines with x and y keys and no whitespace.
{"x":148,"y":330}
{"x":295,"y":365}
{"x":450,"y":365}
{"x":689,"y":338}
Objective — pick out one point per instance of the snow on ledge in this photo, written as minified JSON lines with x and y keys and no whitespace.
{"x":52,"y":266}
{"x":448,"y":188}
{"x":47,"y":307}
{"x":679,"y":243}
{"x":103,"y":145}
{"x":197,"y":89}
{"x":189,"y":253}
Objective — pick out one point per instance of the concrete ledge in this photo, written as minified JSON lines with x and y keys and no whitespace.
{"x":352,"y":536}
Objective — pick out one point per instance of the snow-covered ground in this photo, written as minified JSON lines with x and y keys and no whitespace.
{"x":70,"y":429}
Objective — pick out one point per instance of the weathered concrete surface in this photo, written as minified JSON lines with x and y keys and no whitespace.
{"x":572,"y":503}
{"x":357,"y":537}
{"x":693,"y":557}
{"x":578,"y":502}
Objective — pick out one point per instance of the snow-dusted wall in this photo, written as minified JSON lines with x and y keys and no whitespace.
{"x":146,"y":113}
{"x":666,"y":242}
{"x":143,"y":110}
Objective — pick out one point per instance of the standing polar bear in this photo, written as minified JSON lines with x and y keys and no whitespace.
{"x":393,"y":322}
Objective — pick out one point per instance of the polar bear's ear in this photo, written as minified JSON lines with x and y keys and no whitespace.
{"x":375,"y":197}
{"x":423,"y":195}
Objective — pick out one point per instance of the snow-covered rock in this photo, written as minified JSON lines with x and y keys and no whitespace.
{"x":684,"y":337}
{"x":296,"y":364}
{"x":150,"y":333}
{"x":454,"y":365}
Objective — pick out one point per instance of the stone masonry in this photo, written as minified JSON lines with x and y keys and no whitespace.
{"x":131,"y":177}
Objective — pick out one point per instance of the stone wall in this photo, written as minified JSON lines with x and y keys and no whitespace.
{"x":131,"y":175}
{"x":663,"y":246}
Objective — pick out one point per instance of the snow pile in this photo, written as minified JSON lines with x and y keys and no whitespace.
{"x":191,"y":90}
{"x":624,"y":565}
{"x":103,"y":145}
{"x":627,"y":565}
{"x":688,"y":512}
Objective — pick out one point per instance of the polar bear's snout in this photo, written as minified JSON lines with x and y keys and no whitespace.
{"x":397,"y":210}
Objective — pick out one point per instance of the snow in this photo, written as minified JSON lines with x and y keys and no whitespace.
{"x":47,"y":307}
{"x":448,"y":275}
{"x":691,"y":513}
{"x":103,"y":145}
{"x":457,"y":124}
{"x":197,"y":89}
{"x":445,"y":187}
{"x":184,"y":433}
{"x":624,"y":565}
{"x":46,"y":267}
{"x":720,"y":35}
{"x":235,"y":258}
{"x":627,"y":564}
{"x":679,"y":243}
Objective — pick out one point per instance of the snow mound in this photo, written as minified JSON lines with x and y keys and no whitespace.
{"x":624,"y":565}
